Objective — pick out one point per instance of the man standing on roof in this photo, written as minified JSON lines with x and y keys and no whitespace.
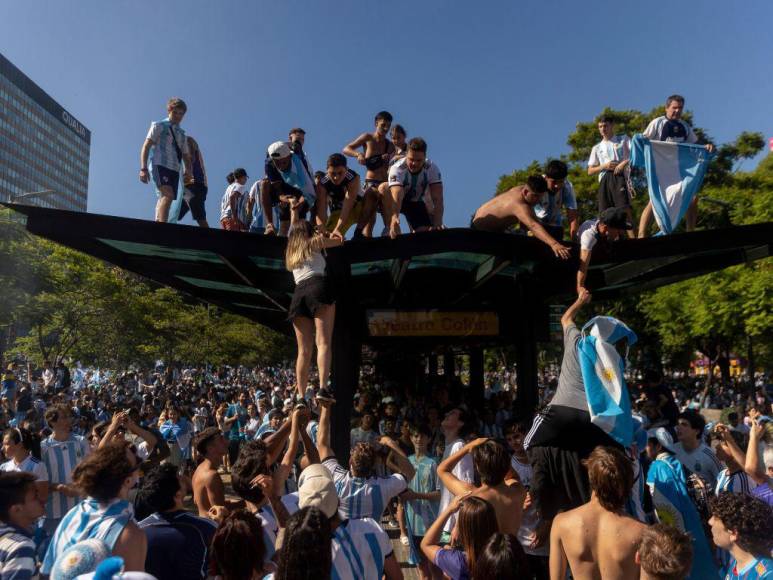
{"x":373,"y":150}
{"x":169,"y":147}
{"x":672,"y":129}
{"x":516,"y":206}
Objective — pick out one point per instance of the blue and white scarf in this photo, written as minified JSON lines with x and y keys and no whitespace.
{"x":602,"y":374}
{"x":88,"y":519}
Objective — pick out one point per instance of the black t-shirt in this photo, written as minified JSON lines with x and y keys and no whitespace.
{"x":337,"y":193}
{"x":178,"y":545}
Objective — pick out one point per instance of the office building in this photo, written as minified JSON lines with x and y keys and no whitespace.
{"x":44,"y":149}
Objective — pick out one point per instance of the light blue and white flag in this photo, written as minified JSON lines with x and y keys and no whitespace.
{"x":602,"y":374}
{"x":675,"y":172}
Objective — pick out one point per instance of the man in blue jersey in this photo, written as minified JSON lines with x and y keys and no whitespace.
{"x":362,"y":493}
{"x":61,"y":452}
{"x":20,"y":507}
{"x":360,"y":547}
{"x":169,"y":146}
{"x":178,"y":541}
{"x":743,"y":525}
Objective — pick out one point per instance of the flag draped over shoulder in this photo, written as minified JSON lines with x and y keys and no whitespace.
{"x":675,"y":172}
{"x":602,"y":374}
{"x":668,"y":486}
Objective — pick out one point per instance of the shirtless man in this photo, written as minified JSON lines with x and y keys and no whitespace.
{"x":516,"y":205}
{"x":208,"y":488}
{"x":598,"y":540}
{"x":375,"y":155}
{"x":499,"y":486}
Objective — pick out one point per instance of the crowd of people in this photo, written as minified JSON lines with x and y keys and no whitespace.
{"x":197,"y":473}
{"x":400,"y":179}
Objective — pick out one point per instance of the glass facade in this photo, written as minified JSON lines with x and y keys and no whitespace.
{"x":44,"y":150}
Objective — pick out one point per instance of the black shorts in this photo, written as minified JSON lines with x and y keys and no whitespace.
{"x":196,"y":202}
{"x":416,"y":214}
{"x":163,"y":176}
{"x":556,"y":231}
{"x":613,"y":192}
{"x":310,"y":295}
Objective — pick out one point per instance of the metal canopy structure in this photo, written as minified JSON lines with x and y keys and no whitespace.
{"x":451,"y":270}
{"x":458,"y":287}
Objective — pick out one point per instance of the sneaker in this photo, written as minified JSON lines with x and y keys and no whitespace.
{"x":404,"y":540}
{"x":325,"y":395}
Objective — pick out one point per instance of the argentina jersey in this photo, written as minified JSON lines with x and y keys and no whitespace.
{"x":415,"y":185}
{"x":28,"y":465}
{"x":735,"y":482}
{"x":167,"y":138}
{"x":359,"y":549}
{"x":60,"y":458}
{"x":360,"y":497}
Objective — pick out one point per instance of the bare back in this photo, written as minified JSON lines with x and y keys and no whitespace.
{"x":208,"y":489}
{"x":503,"y":211}
{"x":507,"y":501}
{"x":598,"y":544}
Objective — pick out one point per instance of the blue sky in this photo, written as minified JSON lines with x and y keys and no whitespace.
{"x":490,"y":85}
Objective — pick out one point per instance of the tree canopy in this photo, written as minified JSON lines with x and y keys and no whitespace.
{"x":715,"y":314}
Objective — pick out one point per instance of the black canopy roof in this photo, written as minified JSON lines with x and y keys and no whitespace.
{"x":452,"y":270}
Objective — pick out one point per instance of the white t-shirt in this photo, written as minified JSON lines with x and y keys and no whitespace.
{"x":701,"y":461}
{"x":29,"y":465}
{"x":313,"y":267}
{"x":463,"y":470}
{"x":415,"y":185}
{"x":225,"y":204}
{"x":616,"y":149}
{"x":589,"y":234}
{"x":530,"y":521}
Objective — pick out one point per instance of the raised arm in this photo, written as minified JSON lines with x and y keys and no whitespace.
{"x":445,"y":470}
{"x":430,"y":545}
{"x":276,"y":442}
{"x":312,"y":455}
{"x":403,"y":464}
{"x":323,"y":434}
{"x":753,"y":466}
{"x":583,"y":298}
{"x":286,"y":465}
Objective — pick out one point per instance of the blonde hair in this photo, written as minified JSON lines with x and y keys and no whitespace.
{"x":302,"y":242}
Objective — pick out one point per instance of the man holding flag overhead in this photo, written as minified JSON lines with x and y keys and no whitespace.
{"x":675,"y":168}
{"x":591,"y":407}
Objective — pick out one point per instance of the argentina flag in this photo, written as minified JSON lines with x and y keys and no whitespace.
{"x":675,"y":172}
{"x":602,"y":374}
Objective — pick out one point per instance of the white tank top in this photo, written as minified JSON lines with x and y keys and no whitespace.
{"x":313,"y":267}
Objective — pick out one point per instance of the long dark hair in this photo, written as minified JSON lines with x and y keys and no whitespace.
{"x":305,"y":554}
{"x":477,"y":522}
{"x":237,"y":551}
{"x":29,"y":440}
{"x":502,"y":558}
